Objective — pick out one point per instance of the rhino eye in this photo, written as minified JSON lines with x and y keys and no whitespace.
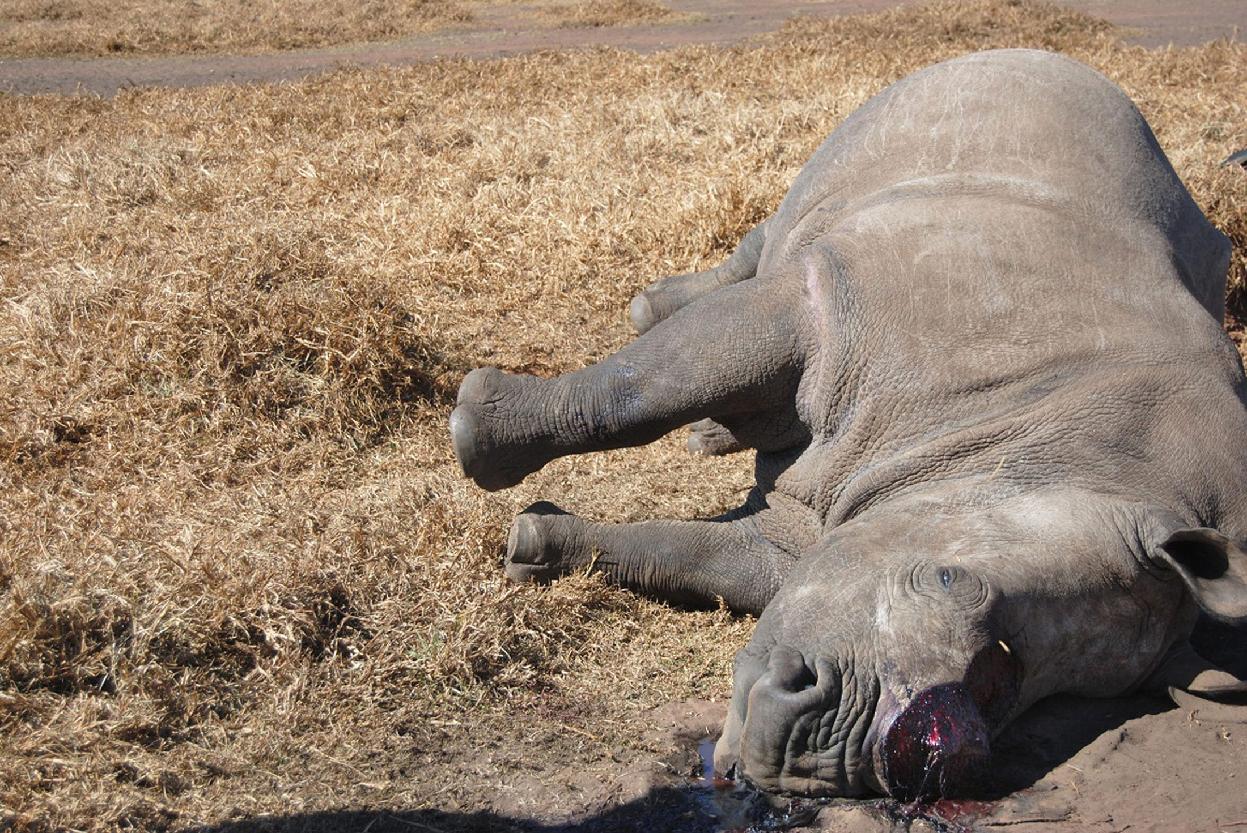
{"x":944,"y":581}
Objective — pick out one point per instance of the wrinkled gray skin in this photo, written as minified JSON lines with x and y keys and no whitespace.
{"x":999,"y":431}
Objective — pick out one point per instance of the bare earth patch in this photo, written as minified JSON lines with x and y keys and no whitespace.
{"x":499,"y":28}
{"x":242,"y":585}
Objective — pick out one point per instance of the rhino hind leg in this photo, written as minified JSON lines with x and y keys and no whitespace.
{"x":713,"y":439}
{"x":691,"y":563}
{"x":734,"y":356}
{"x":664,"y":297}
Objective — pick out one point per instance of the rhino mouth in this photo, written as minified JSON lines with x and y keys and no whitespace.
{"x":936,"y":746}
{"x":800,"y":727}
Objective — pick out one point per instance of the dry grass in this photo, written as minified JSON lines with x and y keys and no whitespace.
{"x":238,"y":570}
{"x":611,"y":13}
{"x":30,"y":28}
{"x":102,"y":27}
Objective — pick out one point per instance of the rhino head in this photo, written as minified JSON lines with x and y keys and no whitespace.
{"x":894,"y":652}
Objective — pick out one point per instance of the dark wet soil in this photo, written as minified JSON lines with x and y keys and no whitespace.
{"x":510,"y":29}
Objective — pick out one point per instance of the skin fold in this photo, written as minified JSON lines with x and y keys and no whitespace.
{"x":997,"y":425}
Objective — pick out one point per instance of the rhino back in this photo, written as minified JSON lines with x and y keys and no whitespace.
{"x":1019,"y":124}
{"x":1007,"y":278}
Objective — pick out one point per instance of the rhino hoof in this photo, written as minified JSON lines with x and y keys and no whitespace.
{"x":475,"y":449}
{"x":710,"y":439}
{"x":641,"y":312}
{"x":533,"y":553}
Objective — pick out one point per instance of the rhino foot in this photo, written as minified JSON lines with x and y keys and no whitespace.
{"x":711,"y":439}
{"x":486,"y":409}
{"x":541,"y":544}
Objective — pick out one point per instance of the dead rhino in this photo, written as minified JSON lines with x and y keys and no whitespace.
{"x":999,"y":431}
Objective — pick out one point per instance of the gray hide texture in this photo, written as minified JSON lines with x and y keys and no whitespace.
{"x":978,"y":350}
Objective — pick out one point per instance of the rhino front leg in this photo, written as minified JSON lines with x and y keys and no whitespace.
{"x":662,"y":298}
{"x":734,"y":356}
{"x":681,"y":562}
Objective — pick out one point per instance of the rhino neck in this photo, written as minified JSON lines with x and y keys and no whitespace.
{"x":1099,"y":636}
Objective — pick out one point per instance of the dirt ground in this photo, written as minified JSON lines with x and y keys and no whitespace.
{"x":242,"y":585}
{"x":483,"y":29}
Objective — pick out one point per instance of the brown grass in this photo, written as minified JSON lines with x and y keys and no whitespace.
{"x":238,"y":570}
{"x":102,"y":27}
{"x":42,"y":28}
{"x":611,"y":13}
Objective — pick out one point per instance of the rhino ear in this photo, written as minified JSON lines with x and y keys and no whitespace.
{"x":1213,"y":567}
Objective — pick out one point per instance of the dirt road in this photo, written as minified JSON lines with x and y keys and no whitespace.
{"x":512,"y":29}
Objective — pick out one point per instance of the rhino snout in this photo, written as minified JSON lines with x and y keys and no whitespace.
{"x":936,"y":746}
{"x":800,"y":729}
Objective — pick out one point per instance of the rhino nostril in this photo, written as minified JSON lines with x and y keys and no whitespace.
{"x":788,"y":670}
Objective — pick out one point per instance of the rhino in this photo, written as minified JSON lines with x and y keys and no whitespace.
{"x":978,"y":351}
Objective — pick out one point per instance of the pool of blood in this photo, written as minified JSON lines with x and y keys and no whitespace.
{"x":737,"y":807}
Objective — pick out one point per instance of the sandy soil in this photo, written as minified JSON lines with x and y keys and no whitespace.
{"x":1069,"y":764}
{"x":512,"y":29}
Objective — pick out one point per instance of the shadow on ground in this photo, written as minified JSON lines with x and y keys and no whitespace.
{"x":1054,"y":731}
{"x":671,"y":809}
